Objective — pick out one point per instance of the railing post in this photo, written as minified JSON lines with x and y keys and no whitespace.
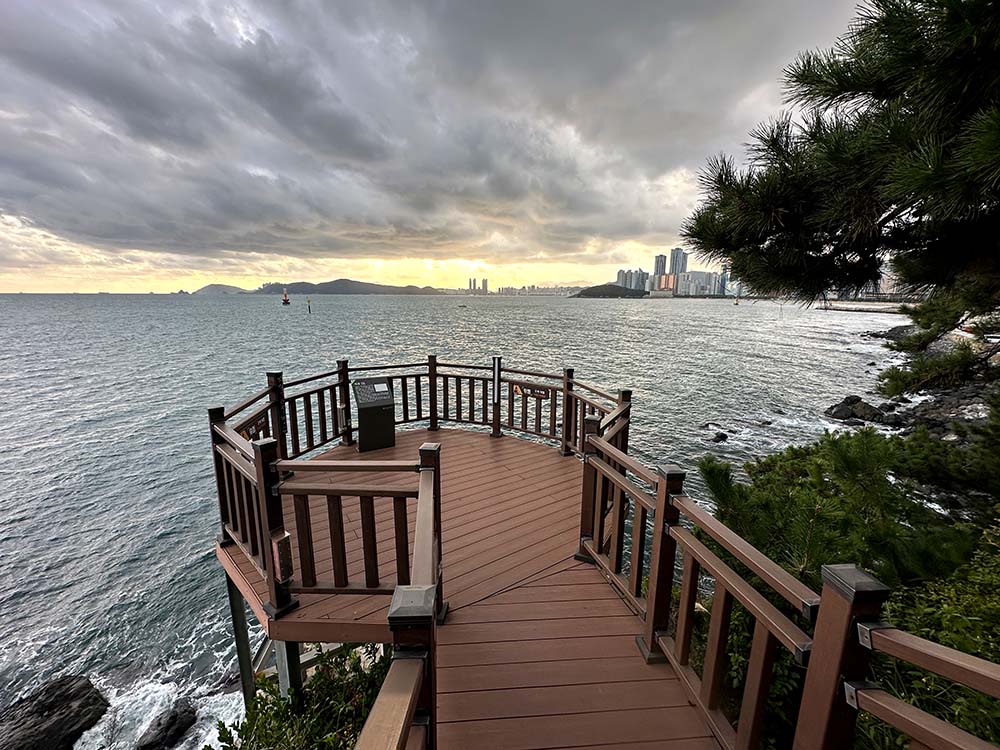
{"x":568,"y":413}
{"x":497,"y":370}
{"x":591,"y":426}
{"x":432,"y":385}
{"x":430,"y":460}
{"x":826,"y":721}
{"x":344,"y":397}
{"x":276,"y":384}
{"x":624,"y":397}
{"x":661,"y":563}
{"x":276,"y":542}
{"x":217,"y":415}
{"x":413,"y":624}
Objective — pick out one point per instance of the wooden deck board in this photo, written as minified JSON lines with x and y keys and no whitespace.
{"x":538,"y":650}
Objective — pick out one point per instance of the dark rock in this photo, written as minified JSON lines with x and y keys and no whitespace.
{"x":872,"y":364}
{"x":765,"y":423}
{"x":893,"y":420}
{"x":720,"y":437}
{"x":840,"y":411}
{"x":901,"y":399}
{"x":169,"y":727}
{"x":851,"y":400}
{"x":864,"y":410}
{"x":852,"y":422}
{"x":53,"y":717}
{"x":887,"y":406}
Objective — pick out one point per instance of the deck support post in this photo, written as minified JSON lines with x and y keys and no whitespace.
{"x":661,"y":563}
{"x":344,"y":398}
{"x":413,"y":623}
{"x":568,"y":413}
{"x":217,"y":415}
{"x":826,"y":720}
{"x":276,"y":542}
{"x":276,"y":385}
{"x":497,"y":371}
{"x":289,"y":667}
{"x":591,"y":426}
{"x":624,"y":397}
{"x":430,"y":460}
{"x":238,"y":613}
{"x":432,"y":385}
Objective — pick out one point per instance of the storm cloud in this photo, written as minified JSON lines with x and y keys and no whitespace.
{"x":503,"y":131}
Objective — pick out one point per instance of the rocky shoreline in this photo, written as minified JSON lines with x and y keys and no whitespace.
{"x":57,"y":714}
{"x":944,"y":412}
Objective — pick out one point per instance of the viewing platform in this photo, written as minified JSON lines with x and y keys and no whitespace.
{"x":538,"y":584}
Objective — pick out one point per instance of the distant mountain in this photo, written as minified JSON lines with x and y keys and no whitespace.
{"x":221,"y":289}
{"x":343,"y":286}
{"x":610,"y":291}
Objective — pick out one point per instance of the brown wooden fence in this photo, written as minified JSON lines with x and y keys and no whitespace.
{"x":843,"y":618}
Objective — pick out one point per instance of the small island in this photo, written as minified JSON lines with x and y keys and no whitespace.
{"x":610,"y":291}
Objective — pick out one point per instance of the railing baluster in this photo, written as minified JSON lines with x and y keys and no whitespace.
{"x":758,"y":681}
{"x":444,"y":396}
{"x":715,"y":653}
{"x":639,"y":520}
{"x":524,"y":409}
{"x":619,"y":511}
{"x":321,"y":412}
{"x":419,"y":397}
{"x":338,"y":546}
{"x":567,"y":418}
{"x":344,"y":400}
{"x":303,"y":532}
{"x":402,"y":541}
{"x":472,"y":400}
{"x":538,"y":415}
{"x":245,"y":500}
{"x":432,"y":388}
{"x":458,"y":398}
{"x":293,"y":425}
{"x":403,"y":386}
{"x":552,"y":412}
{"x":253,"y":525}
{"x":334,"y":417}
{"x":510,"y":404}
{"x":368,"y":541}
{"x":685,"y":607}
{"x":310,"y":438}
{"x":486,"y":418}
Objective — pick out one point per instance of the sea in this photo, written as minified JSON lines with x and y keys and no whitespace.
{"x":107,"y":515}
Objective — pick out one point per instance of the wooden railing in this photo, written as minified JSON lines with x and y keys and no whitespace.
{"x":404,"y":713}
{"x":843,"y":619}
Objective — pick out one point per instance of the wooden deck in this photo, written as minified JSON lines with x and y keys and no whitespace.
{"x":538,"y":650}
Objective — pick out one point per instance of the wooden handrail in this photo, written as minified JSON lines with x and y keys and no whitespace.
{"x":234,"y":410}
{"x":958,"y":666}
{"x":790,"y":635}
{"x":594,"y":389}
{"x":621,"y":411}
{"x":311,"y":392}
{"x":388,"y":724}
{"x":640,"y":470}
{"x":784,"y":583}
{"x":928,"y":731}
{"x":424,"y":569}
{"x":234,"y":439}
{"x":311,"y":378}
{"x":375,"y":368}
{"x":353,"y":466}
{"x":622,"y":482}
{"x":291,"y":487}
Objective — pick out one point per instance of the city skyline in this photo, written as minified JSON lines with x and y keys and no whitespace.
{"x":368,"y":141}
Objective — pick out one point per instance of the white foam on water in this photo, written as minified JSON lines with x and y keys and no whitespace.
{"x":134,"y":708}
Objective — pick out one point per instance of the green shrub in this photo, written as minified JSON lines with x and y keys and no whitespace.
{"x":329,"y":712}
{"x":962,"y":612}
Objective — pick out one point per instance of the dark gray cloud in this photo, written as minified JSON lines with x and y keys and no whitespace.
{"x":444,"y":128}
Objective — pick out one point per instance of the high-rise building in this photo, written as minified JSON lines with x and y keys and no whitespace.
{"x":621,"y":281}
{"x":678,"y":261}
{"x":660,"y":265}
{"x":486,"y":286}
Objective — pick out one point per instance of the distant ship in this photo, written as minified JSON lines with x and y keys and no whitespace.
{"x":284,"y":297}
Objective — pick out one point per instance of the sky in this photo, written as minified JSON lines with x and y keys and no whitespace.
{"x":157,"y":146}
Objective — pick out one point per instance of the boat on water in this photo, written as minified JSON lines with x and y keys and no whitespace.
{"x":284,"y":297}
